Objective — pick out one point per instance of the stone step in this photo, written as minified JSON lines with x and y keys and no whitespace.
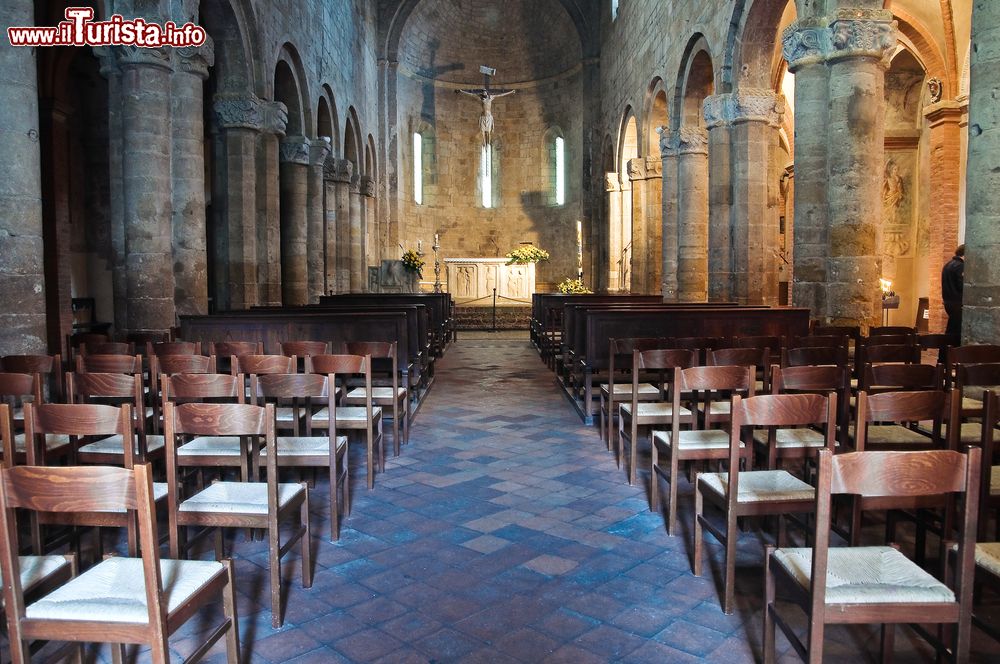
{"x":481,"y":318}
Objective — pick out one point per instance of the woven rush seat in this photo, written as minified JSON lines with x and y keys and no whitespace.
{"x":987,"y":556}
{"x":115,"y":590}
{"x":895,"y":434}
{"x":760,"y":485}
{"x":52,"y":441}
{"x":35,"y":569}
{"x":284,"y":414}
{"x":995,"y":481}
{"x":239,"y":497}
{"x":211,"y":445}
{"x":293,"y":445}
{"x":377,"y":392}
{"x":712,"y":439}
{"x":115,"y":445}
{"x":345,"y":414}
{"x":626,"y":388}
{"x":718,"y":408}
{"x":789,"y":438}
{"x":867,"y":575}
{"x":657,"y":409}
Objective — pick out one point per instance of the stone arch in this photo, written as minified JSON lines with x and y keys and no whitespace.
{"x":697,"y":81}
{"x":353,"y":148}
{"x":233,"y":31}
{"x":289,"y":86}
{"x":656,"y":116}
{"x":753,"y":47}
{"x":925,"y":49}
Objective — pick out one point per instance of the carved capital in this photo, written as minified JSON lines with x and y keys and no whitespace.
{"x":666,"y":140}
{"x":689,"y":140}
{"x":196,"y":59}
{"x":368,"y":186}
{"x":337,"y":170}
{"x":805,"y":42}
{"x":856,"y":32}
{"x":109,"y":61}
{"x":294,"y":150}
{"x":654,"y":168}
{"x":746,"y":105}
{"x":717,"y":112}
{"x":249,"y":113}
{"x":611,"y":182}
{"x":356,"y":183}
{"x":636,"y":169}
{"x":319,"y":150}
{"x":136,"y":56}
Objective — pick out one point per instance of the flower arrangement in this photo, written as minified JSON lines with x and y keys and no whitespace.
{"x":573,"y":287}
{"x":412,"y":261}
{"x":528,"y":253}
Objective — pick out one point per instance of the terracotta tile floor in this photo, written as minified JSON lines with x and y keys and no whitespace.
{"x":505,"y":533}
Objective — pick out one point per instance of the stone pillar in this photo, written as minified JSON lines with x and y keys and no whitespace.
{"x":337,"y":177}
{"x":22,"y":299}
{"x":188,"y":178}
{"x":692,"y":219}
{"x":668,"y":158}
{"x":615,"y":246}
{"x":839,"y":62}
{"x":721,"y":225}
{"x":319,"y":150}
{"x":146,"y":187}
{"x":654,"y":224}
{"x":358,"y":276}
{"x":373,"y":237}
{"x":269,"y":269}
{"x":742,"y":230}
{"x":240,"y":121}
{"x":294,"y":183}
{"x":390,"y":160}
{"x":981,"y":310}
{"x":636,"y":170}
{"x":945,"y":120}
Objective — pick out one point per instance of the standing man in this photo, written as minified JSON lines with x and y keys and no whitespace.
{"x":951,"y":292}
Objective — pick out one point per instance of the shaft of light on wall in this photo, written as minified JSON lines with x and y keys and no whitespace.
{"x":560,"y":171}
{"x":418,"y":169}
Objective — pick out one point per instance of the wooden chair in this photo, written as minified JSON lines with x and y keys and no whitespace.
{"x":883,"y":330}
{"x":168,"y":365}
{"x":224,"y":350}
{"x":394,"y":394}
{"x":130,"y":364}
{"x":16,"y":389}
{"x":875,"y":584}
{"x":268,"y":364}
{"x":885,"y":353}
{"x":750,"y":356}
{"x":771,"y":343}
{"x":972,"y":380}
{"x":939,"y":342}
{"x":878,"y":378}
{"x":700,"y":344}
{"x":304,"y":349}
{"x":211,"y":451}
{"x":263,"y":505}
{"x":989,"y":497}
{"x":776,"y":444}
{"x":120,"y":600}
{"x":648,"y":414}
{"x":741,"y":493}
{"x":366,"y":419}
{"x":820,"y":341}
{"x":675,"y":446}
{"x":812,"y":356}
{"x":971,"y":354}
{"x":48,"y":366}
{"x":114,"y":388}
{"x":615,"y":390}
{"x":175,"y":347}
{"x":107,"y":348}
{"x":303,"y":449}
{"x":852,"y":332}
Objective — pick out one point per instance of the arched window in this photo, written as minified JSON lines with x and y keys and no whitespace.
{"x":614,"y":9}
{"x":560,"y":164}
{"x":488,"y":176}
{"x":423,"y":162}
{"x":553,"y":174}
{"x":418,"y":168}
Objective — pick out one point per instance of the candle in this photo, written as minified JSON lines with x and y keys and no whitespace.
{"x":420,"y":246}
{"x":436,"y":239}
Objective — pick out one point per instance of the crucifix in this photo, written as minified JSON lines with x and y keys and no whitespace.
{"x":486,"y":95}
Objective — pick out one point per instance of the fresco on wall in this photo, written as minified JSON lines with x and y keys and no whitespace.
{"x":897,"y":204}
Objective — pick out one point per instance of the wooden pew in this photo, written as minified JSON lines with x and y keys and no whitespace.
{"x":601,"y":324}
{"x":440,"y":309}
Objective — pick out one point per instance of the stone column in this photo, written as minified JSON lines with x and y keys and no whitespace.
{"x":319,"y":150}
{"x":188,"y":178}
{"x":692,"y":219}
{"x":269,"y":268}
{"x":721,"y":225}
{"x":240,"y":121}
{"x":668,"y":158}
{"x":146,"y":187}
{"x":839,"y":145}
{"x":358,"y":278}
{"x":613,"y":189}
{"x":22,"y":300}
{"x":654,"y":224}
{"x":636,"y":169}
{"x":373,"y":236}
{"x":389,"y":161}
{"x":945,"y":120}
{"x":294,"y":182}
{"x":981,"y":310}
{"x":337,"y":177}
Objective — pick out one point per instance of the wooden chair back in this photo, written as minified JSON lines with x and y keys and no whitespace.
{"x":305,"y":348}
{"x":19,"y":388}
{"x":906,"y":408}
{"x":230,"y":348}
{"x":852,"y":332}
{"x":48,"y":366}
{"x":901,"y":377}
{"x":305,"y":391}
{"x":338,"y":364}
{"x":176,"y":347}
{"x":263,"y":364}
{"x":758,"y":358}
{"x":110,"y":363}
{"x":814,"y":356}
{"x":771,"y":343}
{"x":176,"y":364}
{"x":881,"y":330}
{"x":882,"y":353}
{"x":202,"y":387}
{"x":710,"y":383}
{"x":107,"y":348}
{"x":820,"y":341}
{"x":990,"y":439}
{"x":386,"y":351}
{"x":78,"y":421}
{"x":663,"y":359}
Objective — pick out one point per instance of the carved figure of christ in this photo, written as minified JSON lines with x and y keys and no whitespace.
{"x":486,"y":96}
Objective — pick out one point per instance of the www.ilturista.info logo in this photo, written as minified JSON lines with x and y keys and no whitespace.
{"x":80,"y":29}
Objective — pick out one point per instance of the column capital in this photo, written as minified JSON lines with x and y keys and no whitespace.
{"x":746,"y":105}
{"x":654,"y":168}
{"x":115,"y":58}
{"x":611,"y":183}
{"x":294,"y":150}
{"x":368,"y":186}
{"x":319,"y":150}
{"x":355,"y":185}
{"x":337,"y":170}
{"x":806,"y":41}
{"x":851,"y":32}
{"x":946,"y":112}
{"x":250,"y":112}
{"x":196,"y":60}
{"x":636,"y":169}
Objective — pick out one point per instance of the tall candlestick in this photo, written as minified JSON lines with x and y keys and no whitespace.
{"x":579,"y":249}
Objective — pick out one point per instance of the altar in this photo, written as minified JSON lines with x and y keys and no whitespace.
{"x":470,"y":279}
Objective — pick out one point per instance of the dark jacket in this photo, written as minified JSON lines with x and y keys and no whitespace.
{"x":951,"y":282}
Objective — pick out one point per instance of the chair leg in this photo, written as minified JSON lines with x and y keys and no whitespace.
{"x":274,"y":574}
{"x":334,"y":500}
{"x":118,"y":653}
{"x":654,"y":480}
{"x":602,"y":422}
{"x":229,"y":607}
{"x":672,"y":492}
{"x":769,"y":597}
{"x":699,"y":504}
{"x":815,"y":646}
{"x":307,"y":568}
{"x":395,"y":427}
{"x":634,"y":455}
{"x":406,"y":422}
{"x":888,"y":642}
{"x":730,"y":580}
{"x":371,"y":458}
